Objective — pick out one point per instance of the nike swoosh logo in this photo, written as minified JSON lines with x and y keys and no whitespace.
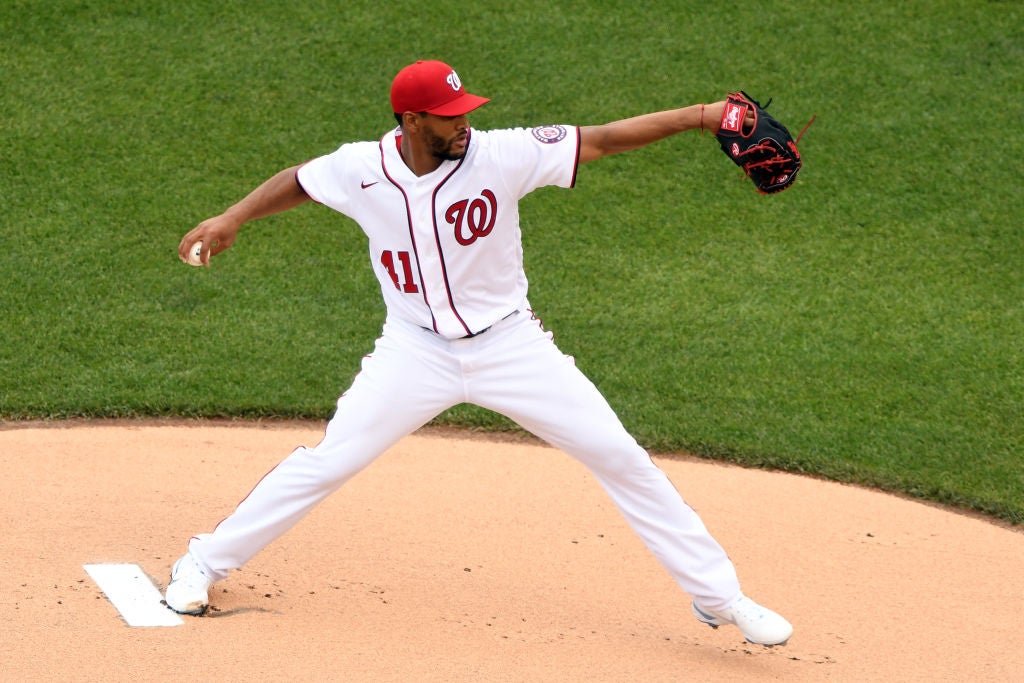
{"x":366,"y":185}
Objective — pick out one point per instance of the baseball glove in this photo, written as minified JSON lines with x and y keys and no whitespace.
{"x":765,"y":150}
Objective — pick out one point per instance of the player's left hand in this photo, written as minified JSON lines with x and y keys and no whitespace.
{"x":758,"y":143}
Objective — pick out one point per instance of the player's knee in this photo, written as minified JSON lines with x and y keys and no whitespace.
{"x":625,"y":461}
{"x":333,"y":465}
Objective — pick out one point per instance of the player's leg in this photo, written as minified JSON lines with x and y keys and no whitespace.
{"x":400,"y":387}
{"x":533,"y":383}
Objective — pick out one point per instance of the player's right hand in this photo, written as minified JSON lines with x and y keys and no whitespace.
{"x":217,"y":234}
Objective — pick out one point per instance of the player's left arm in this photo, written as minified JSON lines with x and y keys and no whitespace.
{"x":639,"y":131}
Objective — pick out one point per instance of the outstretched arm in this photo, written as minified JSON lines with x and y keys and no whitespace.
{"x":639,"y":131}
{"x":279,"y":193}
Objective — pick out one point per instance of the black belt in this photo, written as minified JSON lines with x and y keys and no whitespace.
{"x":478,"y":332}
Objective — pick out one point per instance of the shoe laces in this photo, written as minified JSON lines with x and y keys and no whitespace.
{"x":747,"y":609}
{"x":189,"y":573}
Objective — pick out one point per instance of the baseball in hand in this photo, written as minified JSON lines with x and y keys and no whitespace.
{"x":193,"y":254}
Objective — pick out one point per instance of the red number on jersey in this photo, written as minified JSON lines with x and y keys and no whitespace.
{"x":387,"y":259}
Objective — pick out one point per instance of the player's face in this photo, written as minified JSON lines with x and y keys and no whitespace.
{"x":447,"y":137}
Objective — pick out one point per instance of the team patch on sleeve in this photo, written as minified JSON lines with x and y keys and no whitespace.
{"x":549,"y":134}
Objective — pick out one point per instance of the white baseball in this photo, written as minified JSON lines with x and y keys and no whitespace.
{"x":193,"y":254}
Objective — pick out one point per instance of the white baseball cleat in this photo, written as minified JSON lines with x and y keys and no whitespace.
{"x":759,"y":625}
{"x":189,"y":589}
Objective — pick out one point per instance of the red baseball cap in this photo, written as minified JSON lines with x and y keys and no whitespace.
{"x":433,"y":87}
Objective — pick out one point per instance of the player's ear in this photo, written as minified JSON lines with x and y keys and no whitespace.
{"x":411,"y":120}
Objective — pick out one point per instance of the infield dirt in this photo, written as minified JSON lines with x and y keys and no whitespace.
{"x":462,"y":557}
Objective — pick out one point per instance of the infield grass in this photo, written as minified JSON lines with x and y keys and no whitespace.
{"x":864,"y":325}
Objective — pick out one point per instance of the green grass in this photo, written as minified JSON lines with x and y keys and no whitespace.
{"x":864,"y":325}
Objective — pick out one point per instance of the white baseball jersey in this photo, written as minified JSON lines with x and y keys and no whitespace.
{"x":446,"y":246}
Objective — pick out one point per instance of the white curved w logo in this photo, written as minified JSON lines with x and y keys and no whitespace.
{"x":453,"y":80}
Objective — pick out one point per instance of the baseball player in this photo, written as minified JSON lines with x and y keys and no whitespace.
{"x":438,"y":202}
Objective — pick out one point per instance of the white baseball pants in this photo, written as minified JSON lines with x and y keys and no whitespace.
{"x":514,"y":369}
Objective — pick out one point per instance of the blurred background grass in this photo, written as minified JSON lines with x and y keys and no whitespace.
{"x":864,"y":325}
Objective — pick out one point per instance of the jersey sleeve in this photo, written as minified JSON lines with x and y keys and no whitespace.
{"x":328,"y":179}
{"x":538,"y":157}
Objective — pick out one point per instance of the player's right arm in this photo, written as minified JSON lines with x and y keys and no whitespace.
{"x":278,"y":193}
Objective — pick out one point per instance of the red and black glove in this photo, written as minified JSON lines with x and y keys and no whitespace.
{"x":764,"y":150}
